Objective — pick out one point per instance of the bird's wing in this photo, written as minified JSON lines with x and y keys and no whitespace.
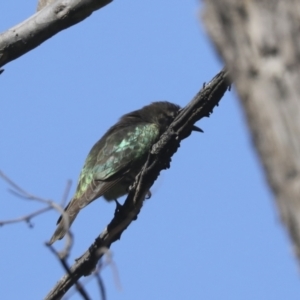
{"x":111,"y":158}
{"x":122,"y":149}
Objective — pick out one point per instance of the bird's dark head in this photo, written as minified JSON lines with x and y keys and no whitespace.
{"x":161,"y":113}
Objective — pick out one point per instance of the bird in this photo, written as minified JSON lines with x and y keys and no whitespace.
{"x":114,"y":161}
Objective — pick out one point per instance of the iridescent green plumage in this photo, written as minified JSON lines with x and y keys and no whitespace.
{"x":115,"y":160}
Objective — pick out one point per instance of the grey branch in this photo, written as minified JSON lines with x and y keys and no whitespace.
{"x":260,"y":44}
{"x":20,"y":192}
{"x":79,"y":287}
{"x":52,"y":19}
{"x":49,"y":205}
{"x":159,"y":159}
{"x":26,"y":218}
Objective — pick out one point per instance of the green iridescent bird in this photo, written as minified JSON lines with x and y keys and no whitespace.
{"x":116,"y":159}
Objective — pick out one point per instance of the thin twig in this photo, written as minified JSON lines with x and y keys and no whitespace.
{"x":101,"y":265}
{"x":26,"y":218}
{"x":108,"y":261}
{"x":20,"y":192}
{"x":17,"y":190}
{"x":64,"y":263}
{"x":100,"y":284}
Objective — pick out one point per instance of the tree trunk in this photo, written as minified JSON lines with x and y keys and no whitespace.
{"x":259,"y":42}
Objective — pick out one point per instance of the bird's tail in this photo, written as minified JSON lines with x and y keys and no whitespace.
{"x":65,"y":221}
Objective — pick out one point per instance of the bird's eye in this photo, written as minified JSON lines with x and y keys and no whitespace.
{"x":169,"y":119}
{"x":166,"y":119}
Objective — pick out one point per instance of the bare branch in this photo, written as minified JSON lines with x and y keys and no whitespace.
{"x":19,"y":192}
{"x":108,"y":261}
{"x":159,"y":158}
{"x":52,"y":19}
{"x":64,"y":263}
{"x":100,"y":284}
{"x":26,"y":218}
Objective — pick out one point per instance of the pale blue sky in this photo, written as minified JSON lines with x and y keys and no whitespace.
{"x":210,"y":230}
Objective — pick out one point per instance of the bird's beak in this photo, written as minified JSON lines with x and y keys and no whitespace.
{"x":195,"y":128}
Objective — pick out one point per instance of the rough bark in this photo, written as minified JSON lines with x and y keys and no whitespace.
{"x":52,"y":19}
{"x":260,"y":44}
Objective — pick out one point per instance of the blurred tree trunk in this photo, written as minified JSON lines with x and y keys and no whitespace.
{"x":259,"y":40}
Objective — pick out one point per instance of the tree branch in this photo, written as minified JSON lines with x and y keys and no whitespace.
{"x":79,"y":287}
{"x":159,"y":158}
{"x":19,"y":192}
{"x":43,"y":25}
{"x":26,"y":218}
